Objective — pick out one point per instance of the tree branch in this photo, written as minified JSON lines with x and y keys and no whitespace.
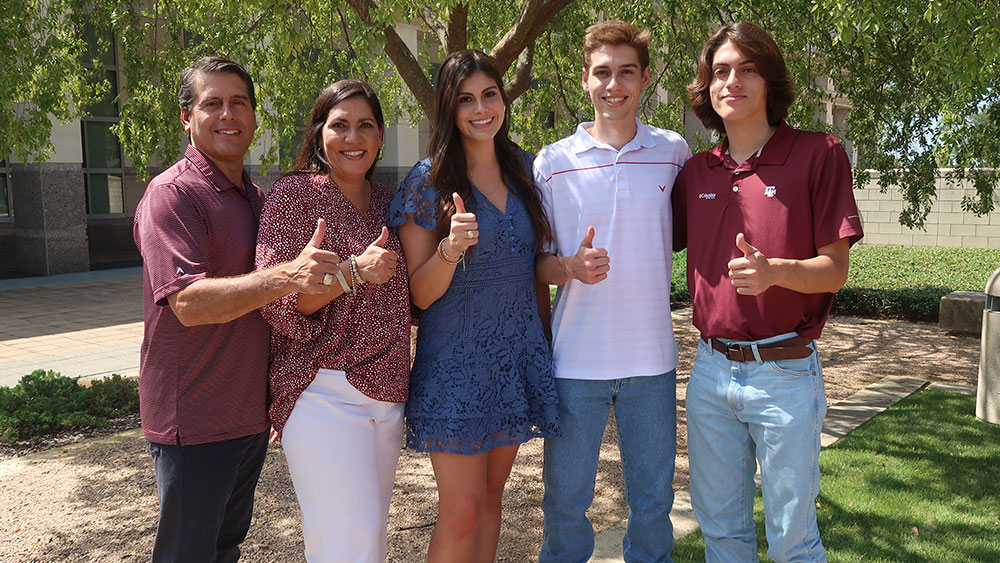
{"x":535,"y":15}
{"x":458,"y":26}
{"x":562,"y":89}
{"x":406,"y":64}
{"x":522,"y":74}
{"x":434,"y":23}
{"x":347,"y":34}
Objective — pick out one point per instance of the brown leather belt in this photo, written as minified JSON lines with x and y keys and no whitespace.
{"x":794,"y":348}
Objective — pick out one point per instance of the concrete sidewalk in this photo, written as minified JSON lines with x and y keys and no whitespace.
{"x":87,"y":324}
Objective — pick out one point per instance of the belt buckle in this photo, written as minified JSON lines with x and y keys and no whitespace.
{"x":735,"y":352}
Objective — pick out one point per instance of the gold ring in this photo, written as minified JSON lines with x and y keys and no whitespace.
{"x":468,"y":234}
{"x":327,"y":279}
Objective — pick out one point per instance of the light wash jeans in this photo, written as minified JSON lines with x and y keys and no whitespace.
{"x":741,"y":412}
{"x":646,"y":415}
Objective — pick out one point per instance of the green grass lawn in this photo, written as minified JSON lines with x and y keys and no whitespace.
{"x":920,"y":482}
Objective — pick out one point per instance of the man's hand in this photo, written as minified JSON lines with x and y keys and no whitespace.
{"x":307,"y":270}
{"x":752,"y":274}
{"x":589,"y":265}
{"x":377,"y":264}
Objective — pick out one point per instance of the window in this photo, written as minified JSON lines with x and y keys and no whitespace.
{"x":102,"y":153}
{"x":5,"y":207}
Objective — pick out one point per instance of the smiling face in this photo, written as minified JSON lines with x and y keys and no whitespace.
{"x":737,"y":90}
{"x":614,"y":81}
{"x":221,"y":120}
{"x":351,"y":139}
{"x":479,"y":110}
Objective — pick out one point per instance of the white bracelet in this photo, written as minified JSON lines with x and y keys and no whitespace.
{"x":343,"y":281}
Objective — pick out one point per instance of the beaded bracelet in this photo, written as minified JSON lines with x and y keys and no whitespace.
{"x":355,"y":276}
{"x":449,"y":260}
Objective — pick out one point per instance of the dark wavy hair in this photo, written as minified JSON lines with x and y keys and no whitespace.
{"x":756,"y":44}
{"x":211,"y":65}
{"x":449,"y":172}
{"x":312,"y":156}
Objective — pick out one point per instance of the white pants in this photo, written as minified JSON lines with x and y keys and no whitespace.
{"x":342,"y":448}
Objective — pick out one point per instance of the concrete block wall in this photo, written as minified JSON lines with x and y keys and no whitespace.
{"x":946,"y":225}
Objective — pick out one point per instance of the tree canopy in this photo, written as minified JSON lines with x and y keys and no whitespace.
{"x":920,"y":75}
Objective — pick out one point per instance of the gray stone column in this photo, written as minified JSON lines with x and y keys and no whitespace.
{"x":50,"y":218}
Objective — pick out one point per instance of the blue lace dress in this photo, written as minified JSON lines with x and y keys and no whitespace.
{"x":482,"y":377}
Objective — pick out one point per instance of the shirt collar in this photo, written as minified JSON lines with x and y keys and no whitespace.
{"x":774,"y":152}
{"x":219,"y":181}
{"x":583,"y":141}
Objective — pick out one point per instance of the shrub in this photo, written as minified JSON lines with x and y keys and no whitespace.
{"x":45,"y":402}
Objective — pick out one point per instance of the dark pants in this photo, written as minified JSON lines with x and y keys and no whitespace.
{"x":206,"y":498}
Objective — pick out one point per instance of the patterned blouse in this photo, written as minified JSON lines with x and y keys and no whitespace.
{"x":365,"y":334}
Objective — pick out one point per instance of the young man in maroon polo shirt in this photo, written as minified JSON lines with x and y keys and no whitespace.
{"x":768,"y":218}
{"x":203,"y":373}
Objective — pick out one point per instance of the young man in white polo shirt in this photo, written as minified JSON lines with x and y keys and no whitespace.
{"x":606,"y":190}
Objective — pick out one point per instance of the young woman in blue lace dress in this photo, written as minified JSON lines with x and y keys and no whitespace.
{"x":471,"y":223}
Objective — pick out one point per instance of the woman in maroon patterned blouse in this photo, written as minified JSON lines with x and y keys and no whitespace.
{"x":340,"y":360}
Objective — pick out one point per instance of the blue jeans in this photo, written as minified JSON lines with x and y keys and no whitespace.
{"x":742,"y":412}
{"x":646,"y":415}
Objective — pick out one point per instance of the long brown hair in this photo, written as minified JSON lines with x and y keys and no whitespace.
{"x":756,"y":44}
{"x":312,"y":155}
{"x":449,"y":171}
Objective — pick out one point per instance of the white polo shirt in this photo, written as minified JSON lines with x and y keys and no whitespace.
{"x":619,"y":327}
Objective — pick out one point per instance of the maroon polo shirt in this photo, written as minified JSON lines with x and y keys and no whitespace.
{"x":205,"y":383}
{"x":792,"y":199}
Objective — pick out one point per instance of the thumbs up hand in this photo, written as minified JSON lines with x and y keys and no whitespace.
{"x":589,"y":265}
{"x":751,"y":274}
{"x":464,"y":230}
{"x":377,"y":263}
{"x":311,"y":266}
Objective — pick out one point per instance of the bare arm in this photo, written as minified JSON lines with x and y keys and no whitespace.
{"x":430,"y":274}
{"x":544,"y":308}
{"x":589,"y":265}
{"x":220,"y":300}
{"x":375,"y":265}
{"x":754,"y":273}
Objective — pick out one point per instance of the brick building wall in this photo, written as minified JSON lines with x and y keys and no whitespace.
{"x":947,"y":224}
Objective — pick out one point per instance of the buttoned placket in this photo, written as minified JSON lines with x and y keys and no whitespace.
{"x":737,"y":175}
{"x":622,"y":185}
{"x":509,"y":221}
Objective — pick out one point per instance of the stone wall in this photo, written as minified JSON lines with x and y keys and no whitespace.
{"x":947,"y":224}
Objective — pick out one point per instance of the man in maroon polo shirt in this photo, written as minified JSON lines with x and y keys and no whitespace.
{"x":203,"y":374}
{"x":768,"y":218}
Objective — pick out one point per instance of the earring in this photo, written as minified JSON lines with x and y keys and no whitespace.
{"x":380,"y":154}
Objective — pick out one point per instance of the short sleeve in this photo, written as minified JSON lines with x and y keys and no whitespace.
{"x":170,"y":233}
{"x":415,"y":196}
{"x":678,"y":201}
{"x":286,"y":226}
{"x":835,"y":212}
{"x":540,"y":171}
